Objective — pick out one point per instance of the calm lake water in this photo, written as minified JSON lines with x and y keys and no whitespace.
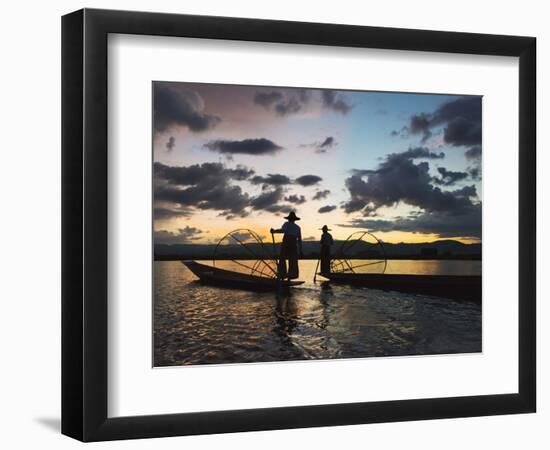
{"x":197,"y":324}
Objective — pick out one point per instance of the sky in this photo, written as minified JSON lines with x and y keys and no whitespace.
{"x":406,"y":167}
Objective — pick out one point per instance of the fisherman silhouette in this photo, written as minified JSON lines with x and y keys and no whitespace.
{"x":292,"y":240}
{"x":326,"y":244}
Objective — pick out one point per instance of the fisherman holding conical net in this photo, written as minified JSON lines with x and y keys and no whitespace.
{"x":292,"y":241}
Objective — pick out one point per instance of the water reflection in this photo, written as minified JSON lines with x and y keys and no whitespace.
{"x":285,"y":318}
{"x":197,"y":324}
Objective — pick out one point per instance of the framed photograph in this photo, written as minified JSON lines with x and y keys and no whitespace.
{"x":273,"y":224}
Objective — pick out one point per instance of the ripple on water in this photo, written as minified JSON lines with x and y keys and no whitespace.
{"x":196,"y":324}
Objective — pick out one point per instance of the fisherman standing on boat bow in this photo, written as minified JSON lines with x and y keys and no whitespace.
{"x":292,"y":240}
{"x":326,"y":244}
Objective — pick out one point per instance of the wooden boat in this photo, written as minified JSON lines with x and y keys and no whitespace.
{"x":231,"y":279}
{"x":456,"y":287}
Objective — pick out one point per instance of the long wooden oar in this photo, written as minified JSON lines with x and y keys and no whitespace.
{"x":275,"y":253}
{"x":317,"y":267}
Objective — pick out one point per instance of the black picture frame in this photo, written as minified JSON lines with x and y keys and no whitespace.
{"x":84,"y":224}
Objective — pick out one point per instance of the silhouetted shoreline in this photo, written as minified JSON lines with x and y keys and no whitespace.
{"x":438,"y":250}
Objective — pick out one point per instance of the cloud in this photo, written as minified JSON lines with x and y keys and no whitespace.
{"x":272,"y":179}
{"x":467,"y":225}
{"x":182,"y":236}
{"x":422,"y":152}
{"x":399,"y":179}
{"x":326,"y":209}
{"x":267,"y":199}
{"x":267,"y":99}
{"x":283,"y":102}
{"x":160,"y":212}
{"x":473,"y":153}
{"x":420,"y":124}
{"x":449,"y":177}
{"x":319,"y":195}
{"x":277,"y":179}
{"x":171,"y":144}
{"x":177,"y":107}
{"x":323,"y":146}
{"x":308,"y":180}
{"x":335,"y":101}
{"x":461,"y":119}
{"x":260,"y":146}
{"x":403,"y":132}
{"x":240,"y":172}
{"x":202,"y":186}
{"x":475,"y":172}
{"x":280,"y":209}
{"x":326,"y":145}
{"x":296,"y":199}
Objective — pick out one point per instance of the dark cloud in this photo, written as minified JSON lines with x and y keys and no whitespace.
{"x":461,"y":131}
{"x":327,"y":144}
{"x":308,"y":180}
{"x":422,"y":152}
{"x":182,"y":236}
{"x":449,"y":177}
{"x":277,"y":179}
{"x":473,"y":153}
{"x":174,"y":106}
{"x":206,"y":173}
{"x":320,"y":195}
{"x":261,"y":146}
{"x":171,"y":143}
{"x":272,"y":179}
{"x":289,"y":106}
{"x":461,"y":119}
{"x":289,"y":101}
{"x":160,"y":212}
{"x":475,"y":172}
{"x":202,"y":186}
{"x":296,"y":199}
{"x":326,"y":209}
{"x":283,"y":103}
{"x":335,"y":101}
{"x":267,"y":200}
{"x":420,"y":124}
{"x":403,"y":132}
{"x":267,"y":99}
{"x":400,"y":179}
{"x":240,"y":172}
{"x":323,"y":146}
{"x":466,"y":225}
{"x":285,"y":209}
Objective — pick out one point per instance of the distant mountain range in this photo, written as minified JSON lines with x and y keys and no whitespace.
{"x":442,"y":249}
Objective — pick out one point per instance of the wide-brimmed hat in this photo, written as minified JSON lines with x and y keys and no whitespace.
{"x":292,"y":216}
{"x":325,"y":228}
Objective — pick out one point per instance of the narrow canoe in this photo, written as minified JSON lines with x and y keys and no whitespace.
{"x":456,"y":287}
{"x":228,"y":278}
